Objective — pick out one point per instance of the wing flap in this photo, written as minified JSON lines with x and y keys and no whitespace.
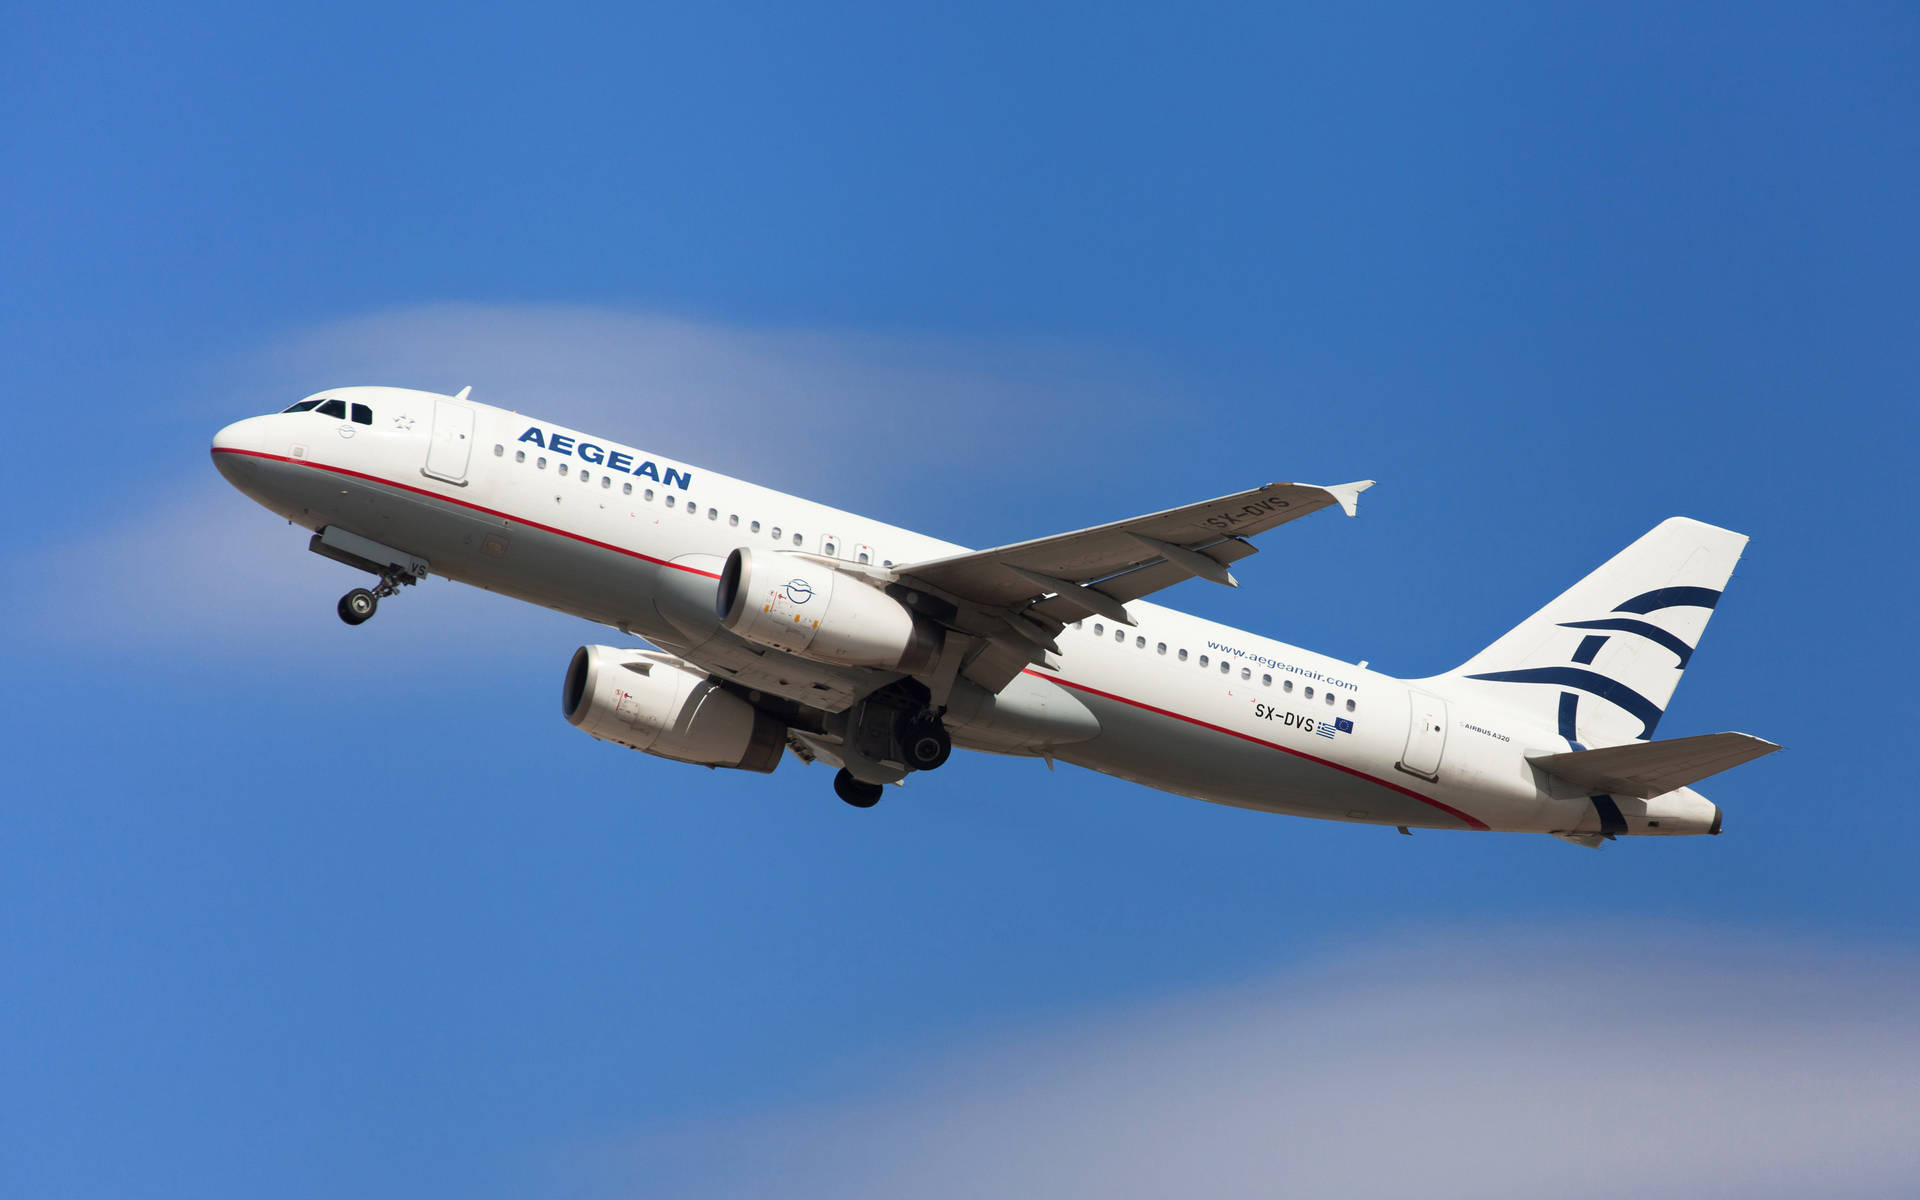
{"x":1649,"y":769}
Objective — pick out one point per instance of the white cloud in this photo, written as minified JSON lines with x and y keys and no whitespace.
{"x":203,"y":571}
{"x":1540,"y":1070}
{"x":798,"y":404}
{"x":849,"y":418}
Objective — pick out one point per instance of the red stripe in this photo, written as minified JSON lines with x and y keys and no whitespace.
{"x":1471,"y":822}
{"x":479,"y":508}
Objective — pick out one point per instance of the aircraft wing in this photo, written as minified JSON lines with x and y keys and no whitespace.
{"x":1017,"y":598}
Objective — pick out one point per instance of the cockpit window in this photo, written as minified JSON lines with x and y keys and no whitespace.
{"x":362,"y":415}
{"x":334,"y":408}
{"x":303,"y":406}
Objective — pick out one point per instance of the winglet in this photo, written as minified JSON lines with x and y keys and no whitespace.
{"x":464,"y":392}
{"x":1348,"y":494}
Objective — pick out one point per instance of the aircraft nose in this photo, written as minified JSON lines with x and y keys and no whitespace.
{"x":242,"y":436}
{"x":233,"y":445}
{"x":234,"y":437}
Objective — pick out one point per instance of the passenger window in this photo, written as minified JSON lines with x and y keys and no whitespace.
{"x":1246,"y":673}
{"x":626,"y":489}
{"x":541,"y":462}
{"x":1099,"y":629}
{"x":1308,"y":693}
{"x":499,"y":451}
{"x":563,"y":468}
{"x":865,"y":557}
{"x":519,"y":456}
{"x":774,"y":533}
{"x":713,"y":514}
{"x":1119,"y":634}
{"x":827,"y":550}
{"x":754,"y":527}
{"x":586,"y":476}
{"x":734,"y":519}
{"x":1287,"y":686}
{"x":362,"y":415}
{"x":649,"y":496}
{"x":1266,"y":681}
{"x":606,"y":481}
{"x":1225,"y":666}
{"x":334,"y":408}
{"x":887,"y":563}
{"x":1183,"y":654}
{"x":1163,"y":648}
{"x":301,"y":406}
{"x":1139,"y":643}
{"x":1349,"y":706}
{"x":1203,"y":660}
{"x":796,"y":539}
{"x":1330,"y":699}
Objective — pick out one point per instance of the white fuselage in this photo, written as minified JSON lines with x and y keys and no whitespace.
{"x":635,"y":541}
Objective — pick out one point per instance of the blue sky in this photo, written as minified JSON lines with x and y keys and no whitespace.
{"x":295,"y":909}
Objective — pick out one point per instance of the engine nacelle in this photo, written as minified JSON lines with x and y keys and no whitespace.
{"x":649,"y":702}
{"x":805,"y":607}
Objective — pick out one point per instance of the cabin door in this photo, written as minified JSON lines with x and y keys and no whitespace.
{"x":452,"y":442}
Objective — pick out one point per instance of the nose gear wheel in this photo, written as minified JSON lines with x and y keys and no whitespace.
{"x":358,"y":606}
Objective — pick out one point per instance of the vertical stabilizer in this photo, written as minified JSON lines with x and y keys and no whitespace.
{"x":1600,"y":663}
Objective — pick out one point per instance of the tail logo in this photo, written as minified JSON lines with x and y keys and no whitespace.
{"x":1580,"y":678}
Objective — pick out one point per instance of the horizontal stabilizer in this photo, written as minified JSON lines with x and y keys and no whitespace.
{"x":1649,"y":769}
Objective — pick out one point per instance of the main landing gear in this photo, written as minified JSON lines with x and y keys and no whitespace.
{"x":857,"y":792}
{"x":358,"y":606}
{"x":887,"y":747}
{"x":924,"y":741}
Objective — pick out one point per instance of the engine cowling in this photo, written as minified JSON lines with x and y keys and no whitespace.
{"x":805,"y":607}
{"x":651,"y":703}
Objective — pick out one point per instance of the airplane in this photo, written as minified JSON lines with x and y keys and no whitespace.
{"x":774,"y":626}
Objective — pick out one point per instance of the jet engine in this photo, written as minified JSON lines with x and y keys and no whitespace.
{"x":653,"y":703}
{"x":805,"y":607}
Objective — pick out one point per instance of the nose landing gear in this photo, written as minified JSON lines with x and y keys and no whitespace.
{"x":358,"y":606}
{"x":396,"y":569}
